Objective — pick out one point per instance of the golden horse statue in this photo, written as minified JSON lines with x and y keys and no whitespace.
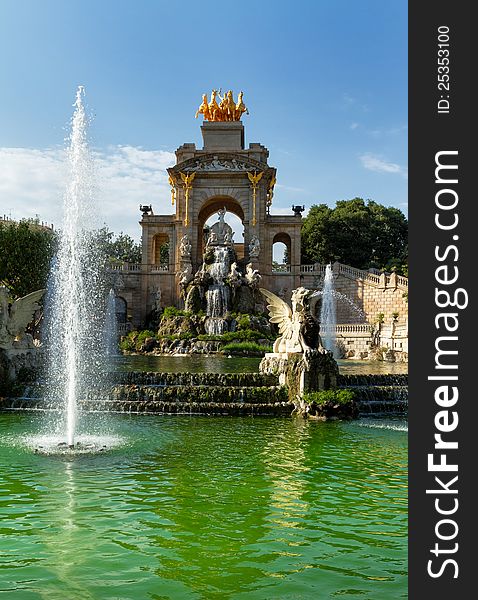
{"x":230,"y":107}
{"x":214,"y":110}
{"x":203,"y":109}
{"x":226,"y":110}
{"x":240,"y":107}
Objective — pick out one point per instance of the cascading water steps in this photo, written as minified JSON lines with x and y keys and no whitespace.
{"x":219,"y":393}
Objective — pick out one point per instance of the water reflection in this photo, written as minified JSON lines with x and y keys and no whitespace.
{"x":198,"y":363}
{"x":198,"y":507}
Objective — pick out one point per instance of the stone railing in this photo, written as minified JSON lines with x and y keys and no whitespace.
{"x":371,"y":277}
{"x":280,"y":268}
{"x":315,"y":269}
{"x":125,"y":266}
{"x":402,"y":281}
{"x":159,"y":268}
{"x":137,"y":268}
{"x":353,"y":328}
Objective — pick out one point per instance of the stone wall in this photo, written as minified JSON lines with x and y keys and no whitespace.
{"x":368,"y":294}
{"x":363,"y":341}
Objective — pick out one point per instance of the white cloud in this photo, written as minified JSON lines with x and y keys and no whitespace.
{"x":375,"y":163}
{"x":32,"y":182}
{"x":289,"y":188}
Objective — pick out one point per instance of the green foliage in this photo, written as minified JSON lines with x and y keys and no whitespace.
{"x":121,"y":249}
{"x":380,"y":317}
{"x":164,"y":253}
{"x":142,"y":335}
{"x":339,"y":396}
{"x":185,"y":335}
{"x":358,"y":233}
{"x":172,"y":311}
{"x":239,"y":335}
{"x":135,"y":339}
{"x":243,"y":321}
{"x":26,"y":250}
{"x":245,"y":348}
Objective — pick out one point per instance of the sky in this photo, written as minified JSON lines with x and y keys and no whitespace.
{"x":325,"y":82}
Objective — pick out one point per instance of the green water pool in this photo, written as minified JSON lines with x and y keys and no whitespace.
{"x":199,"y":363}
{"x":206,"y":508}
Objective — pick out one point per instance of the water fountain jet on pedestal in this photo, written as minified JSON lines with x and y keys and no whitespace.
{"x":75,"y":308}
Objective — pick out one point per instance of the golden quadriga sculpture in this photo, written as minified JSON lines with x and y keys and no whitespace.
{"x":225,"y":110}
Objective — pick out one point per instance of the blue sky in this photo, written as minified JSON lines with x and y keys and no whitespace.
{"x":325,"y":82}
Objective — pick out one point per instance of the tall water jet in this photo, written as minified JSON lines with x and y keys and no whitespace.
{"x":75,"y":315}
{"x":328,"y":318}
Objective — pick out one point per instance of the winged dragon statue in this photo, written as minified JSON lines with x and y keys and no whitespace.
{"x":14,"y":319}
{"x":299,"y":331}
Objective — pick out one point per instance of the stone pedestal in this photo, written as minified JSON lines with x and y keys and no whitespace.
{"x":14,"y":360}
{"x":223,"y":135}
{"x":302,"y":373}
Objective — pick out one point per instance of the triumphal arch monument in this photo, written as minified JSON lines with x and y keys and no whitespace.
{"x":221,"y":177}
{"x":225,"y":176}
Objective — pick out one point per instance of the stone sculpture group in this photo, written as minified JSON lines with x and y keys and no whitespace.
{"x":17,"y":349}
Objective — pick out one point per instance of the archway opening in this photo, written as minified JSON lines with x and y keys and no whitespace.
{"x":121,"y":309}
{"x":234,"y":217}
{"x":281,"y":248}
{"x":161,"y":249}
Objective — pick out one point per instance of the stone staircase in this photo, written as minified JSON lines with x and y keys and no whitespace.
{"x":177,"y":393}
{"x":218,"y":394}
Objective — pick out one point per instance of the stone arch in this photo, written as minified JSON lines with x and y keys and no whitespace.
{"x":159,"y":240}
{"x":121,"y":309}
{"x":239,"y":195}
{"x":285,"y":239}
{"x":315,"y":306}
{"x":211,"y":206}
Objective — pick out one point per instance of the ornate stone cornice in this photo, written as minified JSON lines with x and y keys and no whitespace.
{"x":220,"y":162}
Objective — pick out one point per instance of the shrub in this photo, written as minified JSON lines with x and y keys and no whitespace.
{"x":332,"y":396}
{"x":185,"y":335}
{"x":241,"y":335}
{"x":142,"y":335}
{"x":243,"y":321}
{"x":127,"y":343}
{"x":246,"y":348}
{"x":172,"y":311}
{"x":134,"y":340}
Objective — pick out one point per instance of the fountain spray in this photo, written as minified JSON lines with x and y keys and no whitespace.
{"x":328,"y":318}
{"x":77,"y":303}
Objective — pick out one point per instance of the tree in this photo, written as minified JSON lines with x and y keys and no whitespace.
{"x":164,"y":253}
{"x":26,"y":250}
{"x":121,"y":249}
{"x":358,"y":233}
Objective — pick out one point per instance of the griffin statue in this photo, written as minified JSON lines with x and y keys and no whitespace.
{"x":14,"y":318}
{"x":299,"y":330}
